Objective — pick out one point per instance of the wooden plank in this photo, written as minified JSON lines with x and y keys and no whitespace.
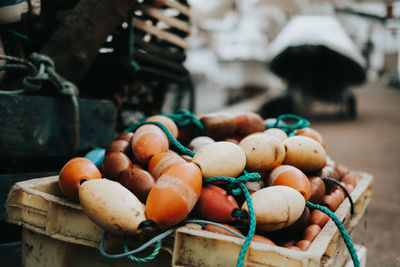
{"x":178,"y":6}
{"x":170,"y":21}
{"x":164,"y":35}
{"x":35,"y":125}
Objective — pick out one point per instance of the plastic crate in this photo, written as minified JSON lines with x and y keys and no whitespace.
{"x":196,"y":247}
{"x":55,"y":230}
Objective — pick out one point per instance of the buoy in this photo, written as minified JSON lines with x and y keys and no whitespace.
{"x":249,"y":122}
{"x":138,"y":181}
{"x":161,"y":162}
{"x":216,"y":205}
{"x":304,"y":153}
{"x":112,"y":206}
{"x":220,"y":159}
{"x":276,"y":207}
{"x":147,"y":141}
{"x":75,"y":172}
{"x":167,"y":122}
{"x":292,"y":177}
{"x":174,"y":195}
{"x":263,"y":152}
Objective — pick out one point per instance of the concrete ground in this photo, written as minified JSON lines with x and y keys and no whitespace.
{"x":370,"y":143}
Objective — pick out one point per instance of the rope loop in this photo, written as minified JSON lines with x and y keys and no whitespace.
{"x":236,"y":186}
{"x":39,"y":68}
{"x":290,"y":128}
{"x":188,"y":119}
{"x":342,"y":230}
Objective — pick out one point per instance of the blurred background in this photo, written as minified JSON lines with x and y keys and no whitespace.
{"x":334,"y":62}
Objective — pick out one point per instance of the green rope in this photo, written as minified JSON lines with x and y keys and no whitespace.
{"x":155,"y":239}
{"x":240,"y":214}
{"x":145,"y":259}
{"x":236,"y":187}
{"x":289,"y":129}
{"x":182,"y":118}
{"x":327,"y":179}
{"x":181,"y":149}
{"x":188,"y":119}
{"x":204,"y":222}
{"x":38,"y":69}
{"x":342,"y":231}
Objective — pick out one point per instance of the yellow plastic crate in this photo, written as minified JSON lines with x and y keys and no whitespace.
{"x":55,"y":229}
{"x":196,"y":247}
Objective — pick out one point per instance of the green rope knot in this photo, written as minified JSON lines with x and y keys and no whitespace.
{"x":342,"y":230}
{"x":233,"y":186}
{"x":289,"y":129}
{"x":236,"y":186}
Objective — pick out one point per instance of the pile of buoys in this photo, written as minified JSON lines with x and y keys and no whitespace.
{"x":143,"y":179}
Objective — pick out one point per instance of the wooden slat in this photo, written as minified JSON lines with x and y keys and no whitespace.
{"x":166,"y":36}
{"x":170,"y":21}
{"x":178,"y":6}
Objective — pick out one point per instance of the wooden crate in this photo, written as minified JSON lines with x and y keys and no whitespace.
{"x":196,"y":247}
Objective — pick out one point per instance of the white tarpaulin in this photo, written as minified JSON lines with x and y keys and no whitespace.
{"x":316,"y":30}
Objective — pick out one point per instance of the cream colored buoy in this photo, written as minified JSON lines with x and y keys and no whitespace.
{"x":276,"y":207}
{"x":304,"y":153}
{"x":199,"y":142}
{"x":278,"y":133}
{"x":112,"y":206}
{"x":220,"y":159}
{"x":263,"y":152}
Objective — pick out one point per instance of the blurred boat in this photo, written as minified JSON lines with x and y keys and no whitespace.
{"x":318,"y":60}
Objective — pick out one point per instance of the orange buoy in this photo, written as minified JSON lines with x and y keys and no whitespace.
{"x":303,"y":244}
{"x":216,"y":205}
{"x":127,"y":136}
{"x":249,"y":122}
{"x":262,"y":239}
{"x":311,"y":232}
{"x":318,"y":189}
{"x":114,"y":164}
{"x":161,"y":162}
{"x":219,"y":125}
{"x":217,"y":229}
{"x":74,"y":172}
{"x":118,"y":145}
{"x":292,"y":177}
{"x":167,"y":122}
{"x":174,"y":195}
{"x":319,"y":217}
{"x":312,"y":133}
{"x":147,"y":141}
{"x":138,"y":181}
